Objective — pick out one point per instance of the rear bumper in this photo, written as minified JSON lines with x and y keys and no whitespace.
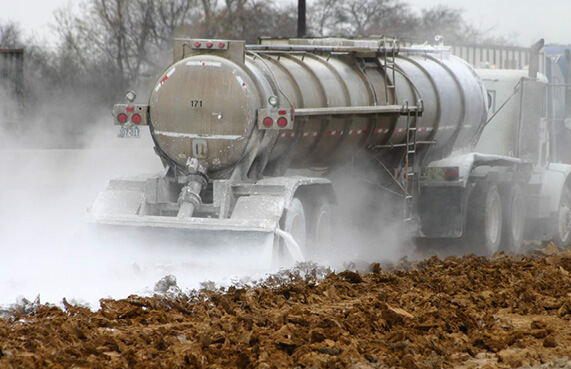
{"x":196,"y":235}
{"x":199,"y":224}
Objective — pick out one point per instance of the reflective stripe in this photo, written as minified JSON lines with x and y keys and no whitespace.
{"x":311,"y":134}
{"x":164,"y":79}
{"x":357,"y":132}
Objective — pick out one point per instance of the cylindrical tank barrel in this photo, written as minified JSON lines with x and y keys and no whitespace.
{"x":204,"y":106}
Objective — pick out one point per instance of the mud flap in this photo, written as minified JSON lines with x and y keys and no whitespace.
{"x":441,"y":212}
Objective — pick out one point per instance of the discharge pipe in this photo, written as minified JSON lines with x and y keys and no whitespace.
{"x":189,"y":198}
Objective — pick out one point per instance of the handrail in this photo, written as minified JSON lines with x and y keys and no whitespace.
{"x":348,"y":110}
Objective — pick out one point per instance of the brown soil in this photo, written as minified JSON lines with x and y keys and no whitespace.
{"x":467,"y":312}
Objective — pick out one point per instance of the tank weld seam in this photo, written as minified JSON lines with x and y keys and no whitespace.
{"x":199,"y":135}
{"x":204,"y":63}
{"x":273,"y":77}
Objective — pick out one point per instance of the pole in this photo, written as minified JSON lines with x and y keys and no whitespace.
{"x":301,"y":18}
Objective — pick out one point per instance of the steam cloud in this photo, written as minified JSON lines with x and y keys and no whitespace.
{"x":43,"y":245}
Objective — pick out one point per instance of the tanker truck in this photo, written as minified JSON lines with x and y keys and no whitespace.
{"x":252,"y":138}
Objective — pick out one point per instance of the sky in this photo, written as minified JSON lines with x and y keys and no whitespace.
{"x":523,"y":20}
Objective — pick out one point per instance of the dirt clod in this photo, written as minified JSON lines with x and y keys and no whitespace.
{"x":460,"y":312}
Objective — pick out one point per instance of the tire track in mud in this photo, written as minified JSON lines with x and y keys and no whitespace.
{"x":467,"y":312}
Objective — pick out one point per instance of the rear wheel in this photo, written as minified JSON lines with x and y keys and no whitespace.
{"x":319,"y":243}
{"x":562,"y":234}
{"x":513,"y":218}
{"x":484,"y":222}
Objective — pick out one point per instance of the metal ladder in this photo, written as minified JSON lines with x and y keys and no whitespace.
{"x":410,"y":180}
{"x":389,"y":54}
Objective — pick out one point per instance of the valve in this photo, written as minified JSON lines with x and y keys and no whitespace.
{"x":189,"y":198}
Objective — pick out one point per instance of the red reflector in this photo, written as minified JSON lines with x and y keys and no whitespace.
{"x":130,"y":109}
{"x":136,"y":118}
{"x":268,"y":122}
{"x":451,"y":174}
{"x":221,"y":44}
{"x":282,"y":122}
{"x":122,"y":118}
{"x":197,"y":44}
{"x":282,"y":112}
{"x":209,"y":44}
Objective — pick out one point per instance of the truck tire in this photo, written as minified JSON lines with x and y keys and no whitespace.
{"x":294,"y":223}
{"x":484,"y":222}
{"x":319,"y":243}
{"x":562,"y":233}
{"x":513,"y":223}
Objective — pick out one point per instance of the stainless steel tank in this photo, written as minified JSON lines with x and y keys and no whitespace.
{"x":204,"y":105}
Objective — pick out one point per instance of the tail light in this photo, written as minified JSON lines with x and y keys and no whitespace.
{"x":122,"y":118}
{"x":451,"y":174}
{"x":266,"y":118}
{"x":268,"y":122}
{"x":132,"y":113}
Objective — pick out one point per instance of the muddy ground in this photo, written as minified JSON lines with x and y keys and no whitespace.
{"x":462,"y":312}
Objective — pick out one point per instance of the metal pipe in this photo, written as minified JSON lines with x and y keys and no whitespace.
{"x":301,"y":29}
{"x":348,"y":110}
{"x":568,"y":82}
{"x":189,"y":198}
{"x":345,"y":49}
{"x":534,"y":58}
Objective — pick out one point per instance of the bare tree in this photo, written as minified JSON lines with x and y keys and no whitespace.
{"x":321,"y":17}
{"x":169,"y":16}
{"x":353,"y":17}
{"x":390,"y":18}
{"x":446,"y":21}
{"x":10,"y":35}
{"x":121,"y":41}
{"x":250,"y":19}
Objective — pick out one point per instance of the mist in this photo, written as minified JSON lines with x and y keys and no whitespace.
{"x":367,"y":220}
{"x":51,"y":171}
{"x":46,"y":248}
